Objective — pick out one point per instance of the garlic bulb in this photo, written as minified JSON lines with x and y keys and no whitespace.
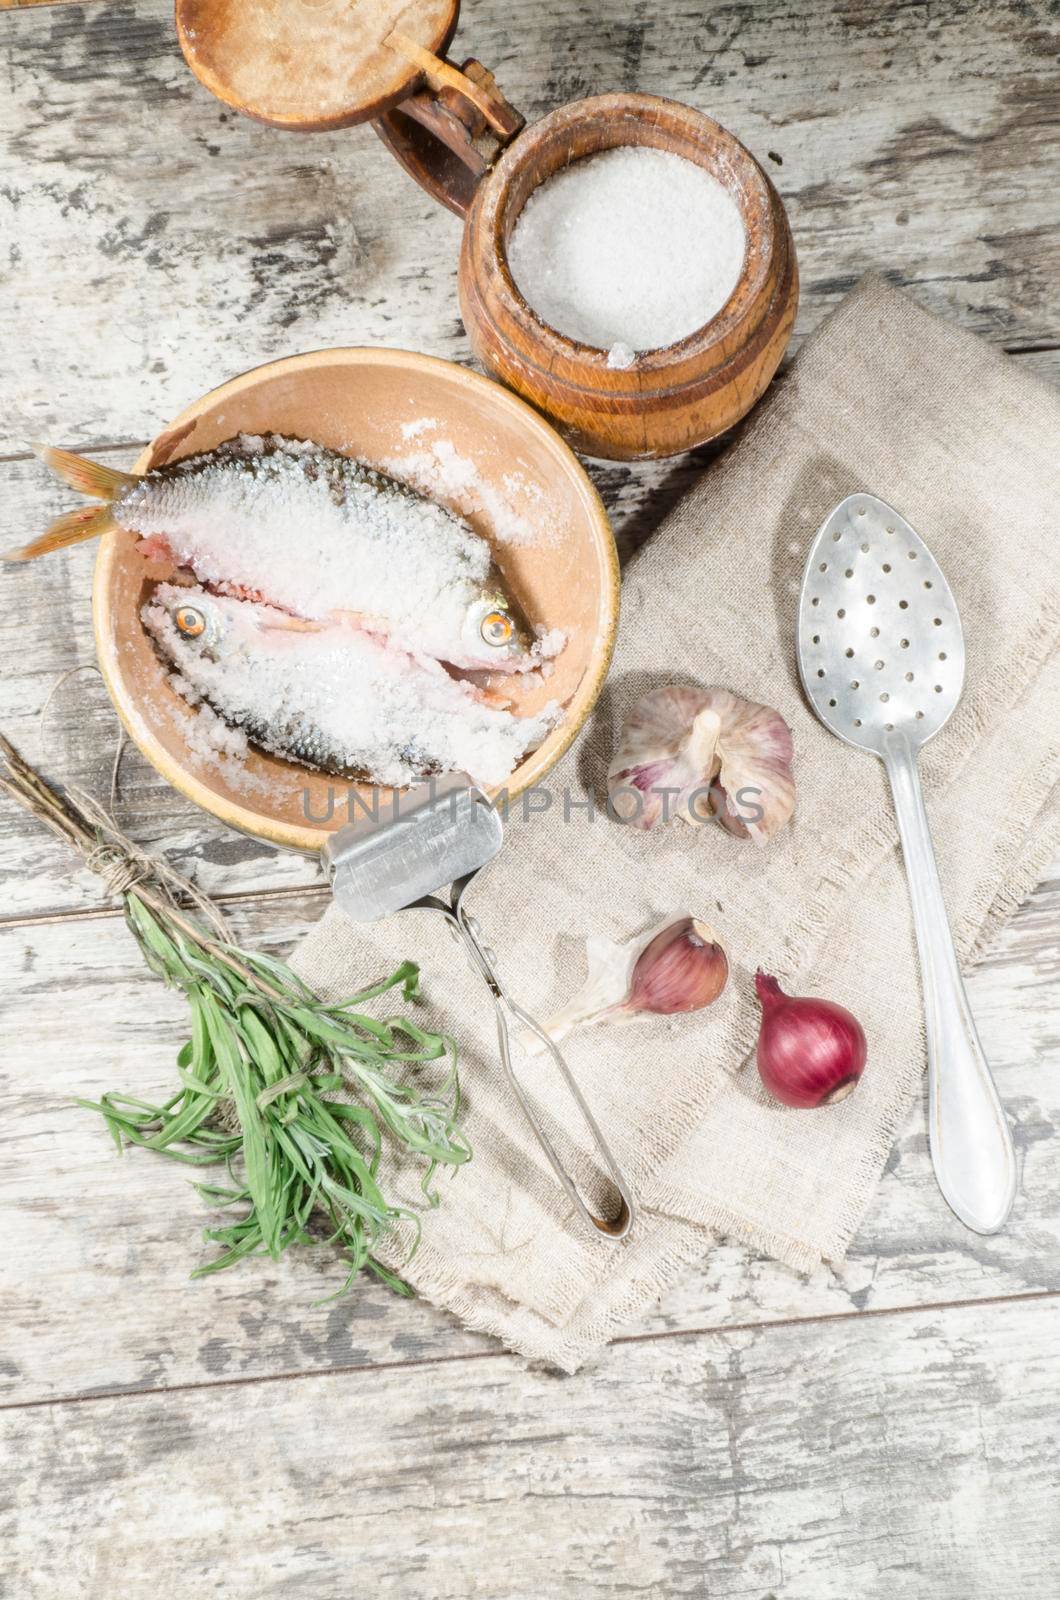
{"x":701,"y":753}
{"x":677,"y":966}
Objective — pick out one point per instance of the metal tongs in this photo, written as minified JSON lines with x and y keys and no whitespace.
{"x":397,"y":857}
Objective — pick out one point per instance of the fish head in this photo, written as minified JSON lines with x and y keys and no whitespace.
{"x":494,"y":634}
{"x":198,"y":621}
{"x":188,"y":622}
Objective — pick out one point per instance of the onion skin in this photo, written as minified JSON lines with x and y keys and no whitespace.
{"x":810,"y":1052}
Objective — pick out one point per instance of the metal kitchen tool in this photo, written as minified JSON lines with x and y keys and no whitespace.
{"x":881,"y":657}
{"x":441,"y":835}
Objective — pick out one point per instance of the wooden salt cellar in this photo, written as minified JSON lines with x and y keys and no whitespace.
{"x":316,"y":64}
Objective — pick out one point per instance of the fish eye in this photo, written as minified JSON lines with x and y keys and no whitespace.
{"x":497,"y":628}
{"x":190,"y":622}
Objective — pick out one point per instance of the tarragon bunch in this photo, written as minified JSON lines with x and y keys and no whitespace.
{"x":300,"y":1101}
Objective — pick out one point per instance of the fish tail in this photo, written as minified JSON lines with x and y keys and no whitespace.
{"x":87,"y":522}
{"x":87,"y":477}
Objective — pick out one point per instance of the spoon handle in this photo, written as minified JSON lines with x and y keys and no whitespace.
{"x":971,"y":1145}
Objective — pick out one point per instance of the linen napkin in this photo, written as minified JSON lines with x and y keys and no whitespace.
{"x":883,"y":398}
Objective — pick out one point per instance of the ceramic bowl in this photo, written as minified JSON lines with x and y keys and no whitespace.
{"x":384,"y":406}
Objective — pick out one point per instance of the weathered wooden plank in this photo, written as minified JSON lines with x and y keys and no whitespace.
{"x":902,"y":1455}
{"x":98,"y":1249}
{"x":156,"y":243}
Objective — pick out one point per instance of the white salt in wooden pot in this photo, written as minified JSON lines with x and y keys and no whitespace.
{"x":358,"y":401}
{"x":313,"y":64}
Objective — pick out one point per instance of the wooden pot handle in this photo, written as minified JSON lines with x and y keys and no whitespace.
{"x":448,"y":134}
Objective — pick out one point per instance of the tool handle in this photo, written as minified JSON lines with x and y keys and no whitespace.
{"x":448,"y":134}
{"x":615,"y":1227}
{"x":971,"y":1144}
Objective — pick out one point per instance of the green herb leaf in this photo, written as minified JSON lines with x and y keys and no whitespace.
{"x":311,"y":1094}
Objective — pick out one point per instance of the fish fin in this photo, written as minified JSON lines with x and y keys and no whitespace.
{"x":489,"y":697}
{"x":87,"y":477}
{"x":362,"y":621}
{"x":87,"y":522}
{"x":283,"y":623}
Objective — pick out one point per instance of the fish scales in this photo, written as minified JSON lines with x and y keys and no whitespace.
{"x":315,"y":533}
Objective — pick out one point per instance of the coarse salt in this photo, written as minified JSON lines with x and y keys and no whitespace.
{"x":413,"y":429}
{"x":333,"y":698}
{"x":437,"y":468}
{"x":319,"y":534}
{"x":628,"y":250}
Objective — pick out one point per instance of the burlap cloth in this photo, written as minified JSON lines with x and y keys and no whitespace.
{"x":966,"y":445}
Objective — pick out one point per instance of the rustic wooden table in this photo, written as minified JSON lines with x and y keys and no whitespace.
{"x":888,"y":1429}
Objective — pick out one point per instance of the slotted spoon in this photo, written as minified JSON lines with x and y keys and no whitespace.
{"x":881,"y":657}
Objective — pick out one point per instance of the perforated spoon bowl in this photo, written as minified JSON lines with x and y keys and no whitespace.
{"x":881,"y":657}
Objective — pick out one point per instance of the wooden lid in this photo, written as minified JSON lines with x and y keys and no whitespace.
{"x":310,"y":64}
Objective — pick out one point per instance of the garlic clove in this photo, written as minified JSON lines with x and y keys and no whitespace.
{"x":664,"y":759}
{"x":754,"y":793}
{"x":683,"y":968}
{"x":693,"y":754}
{"x":676,"y":966}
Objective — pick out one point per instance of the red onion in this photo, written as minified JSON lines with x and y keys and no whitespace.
{"x":810,"y":1052}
